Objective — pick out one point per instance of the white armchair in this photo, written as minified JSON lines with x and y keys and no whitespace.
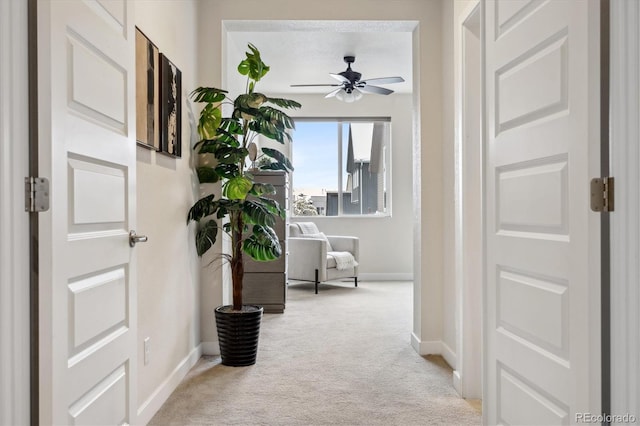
{"x":318,"y":258}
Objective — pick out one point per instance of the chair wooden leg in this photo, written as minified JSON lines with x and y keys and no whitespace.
{"x":316,"y":281}
{"x":356,"y":279}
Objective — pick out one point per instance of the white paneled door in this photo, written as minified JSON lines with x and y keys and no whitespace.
{"x":542,"y":294}
{"x":87,"y":149}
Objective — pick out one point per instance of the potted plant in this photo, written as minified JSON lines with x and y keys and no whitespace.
{"x":250,"y":213}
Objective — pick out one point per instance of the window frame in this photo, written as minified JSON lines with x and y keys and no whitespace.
{"x":387,"y":166}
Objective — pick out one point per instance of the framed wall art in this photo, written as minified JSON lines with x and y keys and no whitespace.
{"x":147,"y":92}
{"x":170,"y":108}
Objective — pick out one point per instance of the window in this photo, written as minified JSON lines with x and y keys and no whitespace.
{"x":341,"y":167}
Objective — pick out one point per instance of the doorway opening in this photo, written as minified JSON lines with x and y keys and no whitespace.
{"x":292,"y":50}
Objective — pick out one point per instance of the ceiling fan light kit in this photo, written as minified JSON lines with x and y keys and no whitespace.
{"x":349,"y":96}
{"x":351,"y":88}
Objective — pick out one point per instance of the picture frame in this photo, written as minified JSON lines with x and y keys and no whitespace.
{"x":170,"y":108}
{"x":147,"y":92}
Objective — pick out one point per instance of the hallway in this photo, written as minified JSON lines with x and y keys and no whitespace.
{"x":340,"y":357}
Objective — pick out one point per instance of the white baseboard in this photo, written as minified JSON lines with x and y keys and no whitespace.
{"x":151,"y":406}
{"x":457,"y":382}
{"x":438,"y":347}
{"x":433,"y":347}
{"x":449,"y":355}
{"x":210,"y":348}
{"x":400,"y":276}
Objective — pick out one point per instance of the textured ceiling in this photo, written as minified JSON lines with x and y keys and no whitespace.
{"x":305,"y":52}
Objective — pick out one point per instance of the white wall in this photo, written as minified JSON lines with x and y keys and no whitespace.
{"x":448,"y":157}
{"x":453,"y":14}
{"x":168,"y":267}
{"x":427,"y":127}
{"x":377,"y":235}
{"x":469,"y":277}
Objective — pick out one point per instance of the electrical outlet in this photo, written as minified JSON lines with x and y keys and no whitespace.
{"x":147,"y":350}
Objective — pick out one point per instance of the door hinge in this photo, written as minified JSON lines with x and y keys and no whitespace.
{"x":602,"y":191}
{"x":36,"y":194}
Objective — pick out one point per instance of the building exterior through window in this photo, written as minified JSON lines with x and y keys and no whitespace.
{"x":341,"y":167}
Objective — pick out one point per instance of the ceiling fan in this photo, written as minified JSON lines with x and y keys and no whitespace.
{"x":351,"y":87}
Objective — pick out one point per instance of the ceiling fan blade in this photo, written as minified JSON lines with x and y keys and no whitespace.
{"x":333,"y":93}
{"x":340,"y":78}
{"x":315,"y":85}
{"x":375,"y":89}
{"x":384,"y":80}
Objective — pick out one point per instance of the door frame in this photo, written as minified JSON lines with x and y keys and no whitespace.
{"x":468,"y":306}
{"x":625,"y":229}
{"x":14,"y":221}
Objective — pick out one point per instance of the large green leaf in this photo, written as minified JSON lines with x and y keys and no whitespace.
{"x":270,"y":130}
{"x":207,"y":206}
{"x":237,"y":188}
{"x":274,"y":166}
{"x":265,"y":128}
{"x":206,"y":237}
{"x":225,"y":206}
{"x":222,"y":138}
{"x":243,"y":67}
{"x":203,"y":207}
{"x":242,"y":108}
{"x":210,"y":146}
{"x":272,"y":206}
{"x":208,"y":94}
{"x":281,"y":159}
{"x":227,"y":171}
{"x":207,"y":175}
{"x":231,"y":205}
{"x":284,"y":103}
{"x":276,"y":117}
{"x":210,"y":119}
{"x":272,"y":123}
{"x":253,"y":66}
{"x":256,"y":213}
{"x":231,"y":155}
{"x":228,"y":131}
{"x":231,"y":125}
{"x":263,"y":244}
{"x":255,"y":100}
{"x":262,"y":188}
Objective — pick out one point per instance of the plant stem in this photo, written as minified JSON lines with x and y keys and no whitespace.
{"x":237,"y":225}
{"x":237,"y":265}
{"x":245,"y":136}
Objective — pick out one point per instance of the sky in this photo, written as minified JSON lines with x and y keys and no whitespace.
{"x":314,"y":155}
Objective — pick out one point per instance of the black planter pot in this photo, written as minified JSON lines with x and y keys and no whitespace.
{"x":238,"y":333}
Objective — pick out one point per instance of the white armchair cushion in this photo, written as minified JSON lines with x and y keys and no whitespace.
{"x":319,"y":236}
{"x":350,"y":244}
{"x":308,"y":228}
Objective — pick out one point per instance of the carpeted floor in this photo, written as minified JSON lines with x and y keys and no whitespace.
{"x":342,"y":357}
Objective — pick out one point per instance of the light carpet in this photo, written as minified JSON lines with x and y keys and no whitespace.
{"x":341,"y":357}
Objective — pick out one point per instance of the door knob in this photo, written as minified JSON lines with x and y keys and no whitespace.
{"x":133,"y":238}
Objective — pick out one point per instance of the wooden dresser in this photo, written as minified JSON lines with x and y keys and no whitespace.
{"x":265,"y":283}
